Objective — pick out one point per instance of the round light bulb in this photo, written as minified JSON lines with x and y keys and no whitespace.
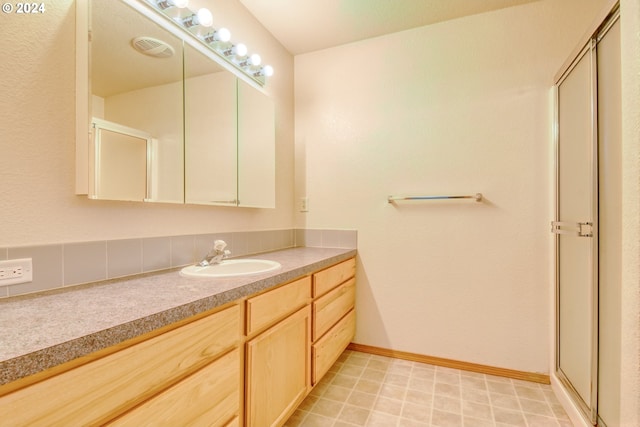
{"x":223,"y":35}
{"x":267,"y":70}
{"x":255,"y":59}
{"x":240,"y":49}
{"x":205,"y":18}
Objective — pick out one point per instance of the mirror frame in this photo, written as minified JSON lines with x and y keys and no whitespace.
{"x":82,"y":98}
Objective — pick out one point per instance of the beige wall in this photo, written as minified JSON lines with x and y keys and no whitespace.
{"x":37,"y":120}
{"x":454,"y":108}
{"x":630,"y":314}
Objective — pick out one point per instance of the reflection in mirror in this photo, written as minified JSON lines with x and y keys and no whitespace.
{"x":210,"y":132}
{"x":121,"y":161}
{"x":256,"y":148}
{"x":136,"y":82}
{"x":209,"y":135}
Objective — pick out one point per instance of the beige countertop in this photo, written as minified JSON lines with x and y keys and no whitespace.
{"x":44,"y":330}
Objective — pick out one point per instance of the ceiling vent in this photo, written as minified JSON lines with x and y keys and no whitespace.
{"x":152,"y":47}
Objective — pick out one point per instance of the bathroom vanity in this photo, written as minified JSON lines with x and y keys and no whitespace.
{"x":243,"y":351}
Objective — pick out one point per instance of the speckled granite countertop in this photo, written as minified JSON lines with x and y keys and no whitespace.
{"x":38,"y":332}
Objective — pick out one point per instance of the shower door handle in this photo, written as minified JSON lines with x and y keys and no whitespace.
{"x":581,"y":229}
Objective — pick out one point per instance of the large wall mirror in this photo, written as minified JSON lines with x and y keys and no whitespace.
{"x":136,"y":76}
{"x":211,"y":123}
{"x":256,"y":151}
{"x":168,"y":123}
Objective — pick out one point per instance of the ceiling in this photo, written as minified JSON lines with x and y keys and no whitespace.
{"x":304,"y":26}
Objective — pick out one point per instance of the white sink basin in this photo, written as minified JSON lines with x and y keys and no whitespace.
{"x":231,"y":268}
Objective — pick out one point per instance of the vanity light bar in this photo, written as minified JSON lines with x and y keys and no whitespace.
{"x":200,"y":25}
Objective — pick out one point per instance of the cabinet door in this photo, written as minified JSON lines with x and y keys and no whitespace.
{"x":211,"y":162}
{"x":278,"y":370}
{"x":256,"y":148}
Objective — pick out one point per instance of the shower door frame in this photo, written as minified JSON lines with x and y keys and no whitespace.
{"x":589,"y":408}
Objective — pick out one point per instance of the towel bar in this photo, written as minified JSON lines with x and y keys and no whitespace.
{"x":477,"y":197}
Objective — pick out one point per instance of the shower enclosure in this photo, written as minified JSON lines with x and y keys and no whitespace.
{"x":587,"y":224}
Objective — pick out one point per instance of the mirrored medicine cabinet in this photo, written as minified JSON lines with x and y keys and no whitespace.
{"x":166,"y":123}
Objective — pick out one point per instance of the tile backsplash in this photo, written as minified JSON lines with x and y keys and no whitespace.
{"x":68,"y":264}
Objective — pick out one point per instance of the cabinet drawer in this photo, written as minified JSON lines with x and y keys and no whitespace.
{"x":327,"y":350}
{"x":267,"y":308}
{"x":209,"y":397}
{"x":94,"y":393}
{"x":325,"y":280}
{"x":330,"y":308}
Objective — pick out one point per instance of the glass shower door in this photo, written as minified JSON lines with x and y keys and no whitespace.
{"x":609,"y":223}
{"x":576,"y":232}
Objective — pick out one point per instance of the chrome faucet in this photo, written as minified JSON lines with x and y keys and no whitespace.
{"x":215,"y":255}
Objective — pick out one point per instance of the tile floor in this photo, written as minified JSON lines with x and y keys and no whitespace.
{"x":369,"y":390}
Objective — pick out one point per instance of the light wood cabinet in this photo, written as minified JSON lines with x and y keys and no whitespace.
{"x":269,"y":307}
{"x":209,"y":397}
{"x":334,"y":292}
{"x":331,"y":307}
{"x":101,"y":390}
{"x":327,"y":279}
{"x":283,"y":362}
{"x":328,"y":348}
{"x":278,"y":370}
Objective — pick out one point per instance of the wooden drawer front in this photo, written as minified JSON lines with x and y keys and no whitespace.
{"x":327,"y":350}
{"x":95,"y":392}
{"x":267,"y":308}
{"x":210,"y":397}
{"x":325,"y":280}
{"x":330,"y":308}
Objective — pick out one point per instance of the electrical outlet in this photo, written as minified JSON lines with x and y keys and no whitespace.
{"x":304,"y":204}
{"x":14,"y":271}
